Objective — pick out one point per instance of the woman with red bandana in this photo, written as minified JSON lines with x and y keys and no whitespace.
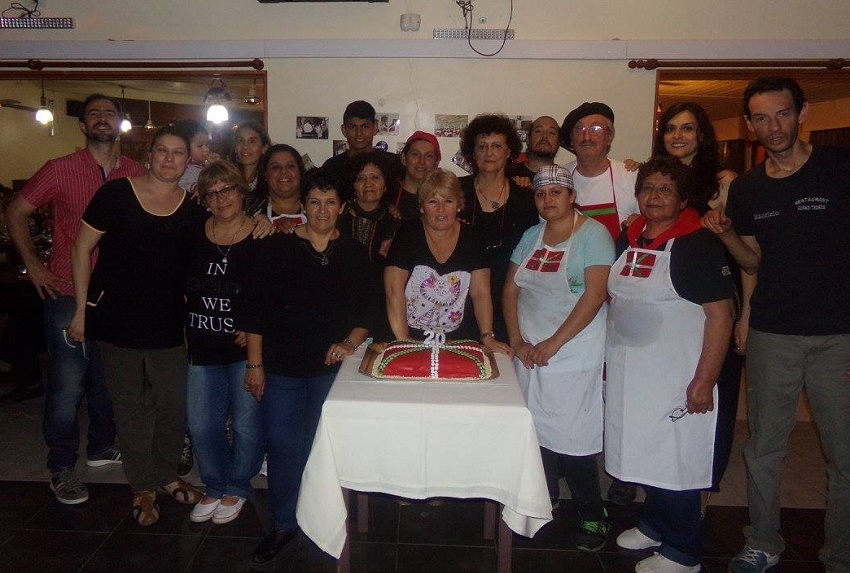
{"x":669,"y":324}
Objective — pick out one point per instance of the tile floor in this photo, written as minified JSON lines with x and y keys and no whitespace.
{"x":39,"y":535}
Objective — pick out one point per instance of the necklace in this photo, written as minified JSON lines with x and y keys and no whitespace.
{"x":321,"y":256}
{"x":230,"y":245}
{"x":493,"y":204}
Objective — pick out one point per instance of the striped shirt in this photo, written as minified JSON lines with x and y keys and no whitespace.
{"x":68,"y":184}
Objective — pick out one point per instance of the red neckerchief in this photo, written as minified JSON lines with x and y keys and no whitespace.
{"x":687,"y":223}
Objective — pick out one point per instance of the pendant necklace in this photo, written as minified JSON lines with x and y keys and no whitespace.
{"x":493,"y":204}
{"x":321,"y":256}
{"x":229,"y":246}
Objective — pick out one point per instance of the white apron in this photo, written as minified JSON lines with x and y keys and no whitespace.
{"x":565,"y":397}
{"x":654,"y":343}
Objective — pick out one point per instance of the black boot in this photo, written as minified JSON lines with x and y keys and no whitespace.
{"x":273,"y":545}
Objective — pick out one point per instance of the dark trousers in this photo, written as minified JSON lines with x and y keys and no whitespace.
{"x":728,"y":388}
{"x":582,"y":475}
{"x":672,"y":517}
{"x":148,"y":389}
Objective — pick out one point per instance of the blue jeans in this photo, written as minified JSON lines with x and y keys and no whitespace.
{"x":212,"y":393}
{"x":672,"y":517}
{"x":75,"y":371}
{"x":291,"y":409}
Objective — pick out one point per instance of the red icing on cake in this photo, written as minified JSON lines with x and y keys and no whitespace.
{"x":457,"y":360}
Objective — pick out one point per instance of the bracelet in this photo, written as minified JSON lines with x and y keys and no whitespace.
{"x":253,"y":366}
{"x":350,"y":343}
{"x":487,"y":334}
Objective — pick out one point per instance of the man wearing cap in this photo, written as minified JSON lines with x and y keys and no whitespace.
{"x":604,"y":189}
{"x":555,"y":311}
{"x":359,"y":127}
{"x":542,"y":149}
{"x":420,"y":156}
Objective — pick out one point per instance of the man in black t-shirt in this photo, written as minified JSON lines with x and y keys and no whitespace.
{"x":543,"y":138}
{"x":359,"y":127}
{"x":788,"y":221}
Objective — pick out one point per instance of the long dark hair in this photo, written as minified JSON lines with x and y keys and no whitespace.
{"x":706,"y":164}
{"x":262,"y":188}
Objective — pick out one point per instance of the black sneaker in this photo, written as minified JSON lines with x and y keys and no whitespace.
{"x":187,"y":458}
{"x":68,"y":487}
{"x":622,"y":493}
{"x":593,"y":534}
{"x":110,"y":455}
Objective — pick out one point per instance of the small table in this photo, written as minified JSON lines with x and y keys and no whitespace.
{"x":422,"y":439}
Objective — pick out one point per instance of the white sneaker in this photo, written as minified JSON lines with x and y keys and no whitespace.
{"x":634,"y":539}
{"x":203,"y":511}
{"x":227,"y":513}
{"x":660,"y":564}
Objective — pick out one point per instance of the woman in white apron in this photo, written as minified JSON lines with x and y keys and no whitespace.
{"x":669,"y":323}
{"x":554,"y":305}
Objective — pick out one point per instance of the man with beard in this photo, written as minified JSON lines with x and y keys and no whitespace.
{"x":788,"y":221}
{"x":604,"y":189}
{"x":67,"y":184}
{"x":542,"y":149}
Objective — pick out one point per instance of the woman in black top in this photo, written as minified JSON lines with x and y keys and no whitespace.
{"x":132,"y":305}
{"x":308,"y":306}
{"x":367,"y":218}
{"x":221,"y":260}
{"x":498,"y":209}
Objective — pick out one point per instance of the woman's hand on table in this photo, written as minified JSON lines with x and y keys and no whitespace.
{"x":522,"y":351}
{"x":543,"y":351}
{"x":255,"y":382}
{"x":493,"y":345}
{"x":700,"y":397}
{"x":338,"y":351}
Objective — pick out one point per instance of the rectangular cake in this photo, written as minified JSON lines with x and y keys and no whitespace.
{"x":459,"y":360}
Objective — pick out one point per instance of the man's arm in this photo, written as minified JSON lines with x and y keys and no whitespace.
{"x":745,"y":250}
{"x":17,"y":214}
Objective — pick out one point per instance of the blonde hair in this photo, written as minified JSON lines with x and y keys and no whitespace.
{"x":441,"y":181}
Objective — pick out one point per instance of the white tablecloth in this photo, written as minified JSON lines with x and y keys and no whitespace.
{"x":417,"y":440}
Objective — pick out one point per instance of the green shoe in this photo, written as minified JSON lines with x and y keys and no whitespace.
{"x":593,"y":534}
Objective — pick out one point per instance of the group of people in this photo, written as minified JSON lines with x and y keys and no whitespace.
{"x":625,"y":292}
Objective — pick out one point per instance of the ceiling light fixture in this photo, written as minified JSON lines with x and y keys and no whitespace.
{"x":149,"y":124}
{"x":252,"y":97}
{"x":215,"y":98}
{"x":126,"y":124}
{"x":44,"y":115}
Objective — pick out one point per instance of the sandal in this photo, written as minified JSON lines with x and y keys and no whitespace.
{"x":182,"y":492}
{"x":145,"y":508}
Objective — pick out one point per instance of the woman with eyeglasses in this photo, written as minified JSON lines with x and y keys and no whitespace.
{"x":437,"y":276}
{"x":497,"y":209}
{"x":669,"y":322}
{"x":221,"y":260}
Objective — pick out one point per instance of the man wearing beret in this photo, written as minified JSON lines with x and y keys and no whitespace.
{"x":604,"y":189}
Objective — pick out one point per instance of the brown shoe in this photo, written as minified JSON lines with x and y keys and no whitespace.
{"x":182,"y":492}
{"x":145,"y":508}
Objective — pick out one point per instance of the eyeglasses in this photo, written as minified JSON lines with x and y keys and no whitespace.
{"x":223,"y":193}
{"x":678,"y":414}
{"x":591,"y":129}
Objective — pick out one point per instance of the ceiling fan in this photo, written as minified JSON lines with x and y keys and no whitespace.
{"x":15,"y":104}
